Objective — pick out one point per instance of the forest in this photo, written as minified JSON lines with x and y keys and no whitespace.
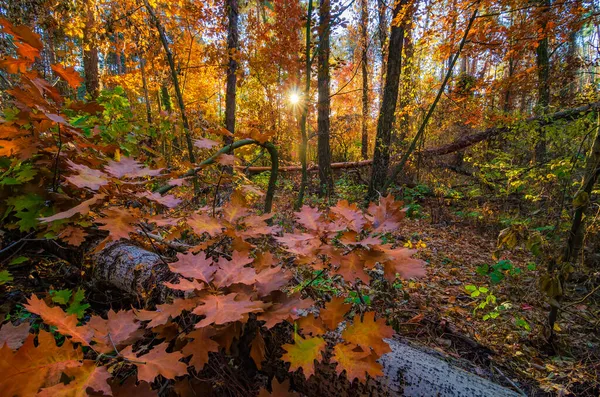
{"x":299,"y":197}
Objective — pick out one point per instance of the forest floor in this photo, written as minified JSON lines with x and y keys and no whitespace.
{"x":440,"y":312}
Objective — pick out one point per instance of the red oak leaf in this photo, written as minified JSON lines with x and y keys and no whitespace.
{"x":225,"y":309}
{"x":157,"y":362}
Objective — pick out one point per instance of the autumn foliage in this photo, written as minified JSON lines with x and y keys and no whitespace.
{"x":239,"y":272}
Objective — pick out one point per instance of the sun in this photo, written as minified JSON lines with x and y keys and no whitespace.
{"x":294,"y":98}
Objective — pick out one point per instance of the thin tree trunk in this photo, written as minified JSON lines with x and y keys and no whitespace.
{"x":400,"y":167}
{"x":232,"y":48}
{"x":90,"y":52}
{"x":382,"y":34}
{"x":171,"y":61}
{"x":576,"y":233}
{"x":381,"y":157}
{"x":145,"y":87}
{"x":543,"y":71}
{"x":324,"y":102}
{"x":364,"y":27}
{"x":304,"y":118}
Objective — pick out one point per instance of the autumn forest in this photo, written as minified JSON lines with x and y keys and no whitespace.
{"x":299,"y":197}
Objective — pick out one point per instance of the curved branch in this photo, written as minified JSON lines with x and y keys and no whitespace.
{"x":272,"y":149}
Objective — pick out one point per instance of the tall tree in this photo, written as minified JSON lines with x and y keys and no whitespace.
{"x":178,"y":93}
{"x":232,"y":48}
{"x":90,"y":50}
{"x":364,"y":28}
{"x":381,"y":157}
{"x":382,"y":35}
{"x":304,"y":117}
{"x":324,"y":101}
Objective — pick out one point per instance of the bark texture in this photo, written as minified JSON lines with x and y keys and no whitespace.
{"x":90,"y":52}
{"x":324,"y":101}
{"x":132,"y":270}
{"x":232,"y":66}
{"x":381,"y":157}
{"x":364,"y":27}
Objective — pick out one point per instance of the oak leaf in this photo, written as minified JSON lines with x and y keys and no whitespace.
{"x":31,"y":368}
{"x":157,"y":362}
{"x":86,"y":177}
{"x":203,"y":223}
{"x":225,"y":309}
{"x":257,"y":350}
{"x":194,"y":266}
{"x":167,"y":200}
{"x":86,"y":377}
{"x":68,"y":74}
{"x":82,"y":209}
{"x":234,"y":271}
{"x":119,"y":329}
{"x":185,"y":285}
{"x":205,"y":143}
{"x":129,"y":168}
{"x":73,"y":235}
{"x":55,"y":316}
{"x":369,"y":333}
{"x":309,"y":217}
{"x":356,"y":362}
{"x":303,"y":353}
{"x":284,"y":308}
{"x":14,"y":335}
{"x":351,"y":214}
{"x":200,"y":346}
{"x":119,"y":222}
{"x":166,"y":311}
{"x":334,"y":312}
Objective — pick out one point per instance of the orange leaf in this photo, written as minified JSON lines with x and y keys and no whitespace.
{"x":334,"y":312}
{"x":157,"y":362}
{"x":356,"y":362}
{"x":303,"y":353}
{"x":82,"y":209}
{"x":55,"y":316}
{"x":194,"y":266}
{"x":200,"y":346}
{"x":31,"y":368}
{"x":164,"y":312}
{"x":257,"y":351}
{"x":369,"y":333}
{"x":202,"y":223}
{"x":225,"y":309}
{"x":88,"y":376}
{"x":68,"y":74}
{"x":119,"y":329}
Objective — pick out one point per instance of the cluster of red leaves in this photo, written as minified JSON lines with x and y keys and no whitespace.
{"x":216,"y":294}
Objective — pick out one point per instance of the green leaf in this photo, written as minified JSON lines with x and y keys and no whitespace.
{"x":18,"y":260}
{"x":5,"y":277}
{"x":470,"y":288}
{"x":61,"y":297}
{"x":475,"y":294}
{"x":76,"y":307}
{"x":496,"y":277}
{"x":483,"y":269}
{"x":483,"y":290}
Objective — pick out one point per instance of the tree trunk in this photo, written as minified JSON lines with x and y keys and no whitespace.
{"x":232,"y":49}
{"x":323,"y":106}
{"x":145,"y":87}
{"x":381,"y":157}
{"x":304,"y":118}
{"x":90,"y":52}
{"x":543,"y":71}
{"x":364,"y":27}
{"x":382,"y":35}
{"x":179,"y":95}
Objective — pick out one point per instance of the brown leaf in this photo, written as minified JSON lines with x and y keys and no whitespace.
{"x":157,"y":362}
{"x":68,"y":74}
{"x":13,"y":336}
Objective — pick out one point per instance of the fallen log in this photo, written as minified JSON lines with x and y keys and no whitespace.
{"x":133,"y":271}
{"x":459,"y":144}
